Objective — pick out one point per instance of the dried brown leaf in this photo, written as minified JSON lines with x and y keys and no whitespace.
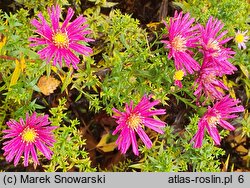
{"x":47,"y":85}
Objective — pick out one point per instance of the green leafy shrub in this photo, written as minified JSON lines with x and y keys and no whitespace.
{"x":128,"y":61}
{"x":69,"y":152}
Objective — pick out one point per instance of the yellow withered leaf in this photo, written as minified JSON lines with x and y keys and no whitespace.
{"x":244,"y":70}
{"x":225,"y":165}
{"x":47,"y":85}
{"x":230,"y":85}
{"x":15,"y":74}
{"x":2,"y":41}
{"x":104,"y":146}
{"x":153,"y":25}
{"x":20,"y":65}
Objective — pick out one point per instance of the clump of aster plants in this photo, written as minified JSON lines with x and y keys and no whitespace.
{"x":125,"y":63}
{"x":183,"y":34}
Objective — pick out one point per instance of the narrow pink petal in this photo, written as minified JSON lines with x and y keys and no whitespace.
{"x":54,"y":13}
{"x":214,"y":133}
{"x":134,"y":142}
{"x":152,"y":121}
{"x":19,"y":154}
{"x":226,"y":125}
{"x":76,"y":23}
{"x":144,"y":137}
{"x":154,"y":112}
{"x":12,"y":144}
{"x":44,"y":149}
{"x":153,"y":127}
{"x":198,"y":137}
{"x":34,"y":155}
{"x":70,"y":14}
{"x":124,"y":140}
{"x":81,"y":48}
{"x":26,"y":154}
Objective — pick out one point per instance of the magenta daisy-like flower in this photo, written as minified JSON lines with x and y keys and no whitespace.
{"x":208,"y":83}
{"x":61,"y":40}
{"x":213,"y":49}
{"x":217,"y":115}
{"x":27,"y":136}
{"x":132,"y":122}
{"x":182,"y":36}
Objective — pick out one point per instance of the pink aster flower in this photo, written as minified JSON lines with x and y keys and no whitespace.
{"x":241,"y":38}
{"x":213,"y":49}
{"x":182,"y":36}
{"x":61,"y":40}
{"x":26,"y":136}
{"x":208,"y":83}
{"x":217,"y":115}
{"x":132,"y":122}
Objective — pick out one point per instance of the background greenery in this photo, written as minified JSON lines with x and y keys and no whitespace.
{"x":128,"y":61}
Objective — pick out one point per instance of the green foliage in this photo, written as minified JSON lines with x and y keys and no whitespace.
{"x":125,"y":65}
{"x":234,"y":13}
{"x":38,"y":5}
{"x":245,"y":129}
{"x":17,"y":39}
{"x":103,"y":3}
{"x":18,"y":71}
{"x":124,"y":166}
{"x":205,"y":158}
{"x":242,"y":60}
{"x":69,"y":152}
{"x":86,"y":80}
{"x":126,"y":52}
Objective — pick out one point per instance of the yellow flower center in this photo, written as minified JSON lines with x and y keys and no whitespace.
{"x":213,"y":120}
{"x":134,"y":121}
{"x":60,"y":40}
{"x":209,"y":78}
{"x":179,"y":43}
{"x":178,"y":75}
{"x":213,"y":44}
{"x":239,"y":38}
{"x":29,"y":135}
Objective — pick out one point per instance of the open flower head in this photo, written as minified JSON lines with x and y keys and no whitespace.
{"x":61,"y":40}
{"x":181,"y":37}
{"x":217,"y":115}
{"x":212,"y":46}
{"x":241,"y":38}
{"x":178,"y":77}
{"x":208,"y":83}
{"x":132,"y":122}
{"x":27,"y":136}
